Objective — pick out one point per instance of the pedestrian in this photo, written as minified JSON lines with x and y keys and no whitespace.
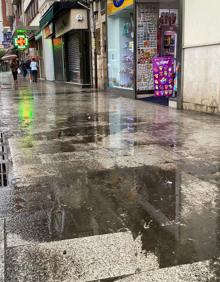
{"x":28,"y":68}
{"x":23,"y":69}
{"x":14,"y":69}
{"x":34,"y":69}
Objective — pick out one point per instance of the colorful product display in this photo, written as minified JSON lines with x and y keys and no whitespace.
{"x":163,"y":72}
{"x":147,"y":25}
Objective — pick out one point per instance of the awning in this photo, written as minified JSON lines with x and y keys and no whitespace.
{"x":57,"y":8}
{"x":38,"y":36}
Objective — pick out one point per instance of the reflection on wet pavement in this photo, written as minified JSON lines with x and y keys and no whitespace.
{"x":87,"y":164}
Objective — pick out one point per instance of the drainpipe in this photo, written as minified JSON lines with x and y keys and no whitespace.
{"x":95,"y":49}
{"x":180,"y":55}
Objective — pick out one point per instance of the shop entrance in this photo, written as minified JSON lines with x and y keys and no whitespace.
{"x":77,"y":57}
{"x":144,"y":53}
{"x":157,"y":56}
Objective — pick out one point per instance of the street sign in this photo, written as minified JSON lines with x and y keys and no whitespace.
{"x":21,"y":42}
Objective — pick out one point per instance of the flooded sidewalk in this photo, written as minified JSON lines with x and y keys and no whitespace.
{"x":96,"y":186}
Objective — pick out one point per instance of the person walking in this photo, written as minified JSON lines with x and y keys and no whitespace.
{"x":14,"y":69}
{"x":34,"y":69}
{"x":23,"y":69}
{"x":28,"y":68}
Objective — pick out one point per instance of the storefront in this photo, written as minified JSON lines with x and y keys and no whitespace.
{"x":143,"y":47}
{"x":66,"y":43}
{"x":72,"y":27}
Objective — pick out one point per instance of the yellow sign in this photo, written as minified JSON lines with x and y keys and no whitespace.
{"x":118,"y":5}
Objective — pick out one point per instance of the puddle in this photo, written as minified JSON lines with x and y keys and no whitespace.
{"x":90,"y":127}
{"x":146,"y":200}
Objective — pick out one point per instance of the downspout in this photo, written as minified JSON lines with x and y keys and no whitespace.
{"x":95,"y":47}
{"x":180,"y":79}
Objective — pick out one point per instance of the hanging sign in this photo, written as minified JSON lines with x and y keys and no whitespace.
{"x":21,"y":42}
{"x":163,"y":71}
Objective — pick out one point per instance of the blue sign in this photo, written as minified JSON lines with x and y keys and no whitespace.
{"x":118,"y":3}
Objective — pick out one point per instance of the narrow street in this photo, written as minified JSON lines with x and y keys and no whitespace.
{"x":98,"y":187}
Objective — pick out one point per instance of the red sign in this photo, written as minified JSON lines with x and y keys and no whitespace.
{"x":48,"y":31}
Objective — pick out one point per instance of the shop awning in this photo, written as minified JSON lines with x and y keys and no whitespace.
{"x":57,"y":8}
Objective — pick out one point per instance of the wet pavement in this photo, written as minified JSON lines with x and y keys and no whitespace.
{"x":129,"y":190}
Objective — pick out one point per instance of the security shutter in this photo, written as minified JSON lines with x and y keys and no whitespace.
{"x":73,"y":57}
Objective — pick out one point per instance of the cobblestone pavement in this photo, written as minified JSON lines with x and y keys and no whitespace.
{"x":98,"y":187}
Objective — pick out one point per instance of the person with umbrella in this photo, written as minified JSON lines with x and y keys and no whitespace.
{"x":14,"y":69}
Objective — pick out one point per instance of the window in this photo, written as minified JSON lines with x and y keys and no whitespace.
{"x":31,"y":12}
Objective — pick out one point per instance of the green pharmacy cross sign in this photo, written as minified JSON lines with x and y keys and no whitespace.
{"x":21,"y":42}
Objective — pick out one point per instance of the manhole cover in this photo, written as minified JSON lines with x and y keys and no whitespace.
{"x":3,"y":162}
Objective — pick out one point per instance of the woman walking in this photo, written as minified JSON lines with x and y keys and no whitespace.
{"x":34,"y":69}
{"x":14,"y":69}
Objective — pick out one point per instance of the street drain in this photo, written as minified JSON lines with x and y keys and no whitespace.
{"x":3,"y":162}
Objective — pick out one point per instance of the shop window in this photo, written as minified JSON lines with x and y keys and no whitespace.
{"x":121,"y":49}
{"x":31,"y":12}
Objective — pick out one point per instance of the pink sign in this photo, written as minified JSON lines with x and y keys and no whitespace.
{"x":163,"y":71}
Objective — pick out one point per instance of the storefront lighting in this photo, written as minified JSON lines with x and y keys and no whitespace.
{"x":21,"y":42}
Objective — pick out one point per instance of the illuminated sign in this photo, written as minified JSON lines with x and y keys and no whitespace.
{"x":21,"y":42}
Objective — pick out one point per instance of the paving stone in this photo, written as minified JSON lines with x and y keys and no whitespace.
{"x":196,"y":272}
{"x":83,"y":259}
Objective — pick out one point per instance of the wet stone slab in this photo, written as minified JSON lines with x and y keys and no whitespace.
{"x":196,"y":272}
{"x":85,"y":259}
{"x":144,"y":200}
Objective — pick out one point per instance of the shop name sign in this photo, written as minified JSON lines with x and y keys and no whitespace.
{"x":117,"y":5}
{"x":48,"y":31}
{"x":21,"y":42}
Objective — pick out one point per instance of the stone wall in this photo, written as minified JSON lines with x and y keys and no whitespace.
{"x":201,"y":79}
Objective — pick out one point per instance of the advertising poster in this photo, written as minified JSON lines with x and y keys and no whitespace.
{"x":163,"y":72}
